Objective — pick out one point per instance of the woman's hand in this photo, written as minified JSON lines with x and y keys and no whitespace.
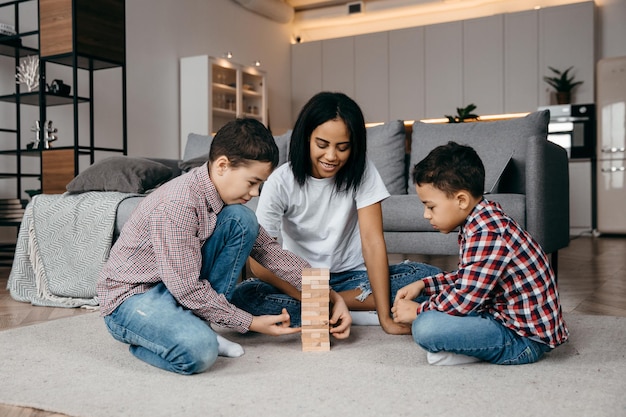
{"x":340,"y":319}
{"x":277,"y":325}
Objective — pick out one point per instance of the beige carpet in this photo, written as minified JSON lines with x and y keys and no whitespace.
{"x":74,"y":367}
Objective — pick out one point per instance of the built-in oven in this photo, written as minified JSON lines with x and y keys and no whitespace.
{"x":573,"y":127}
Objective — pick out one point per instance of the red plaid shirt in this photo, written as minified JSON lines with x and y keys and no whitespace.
{"x":502,"y":272}
{"x":162,"y":241}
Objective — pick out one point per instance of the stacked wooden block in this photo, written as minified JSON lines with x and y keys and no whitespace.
{"x":315,"y":309}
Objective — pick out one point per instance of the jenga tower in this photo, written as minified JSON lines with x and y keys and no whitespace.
{"x":315,"y":309}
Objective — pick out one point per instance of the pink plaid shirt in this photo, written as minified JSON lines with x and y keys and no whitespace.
{"x":162,"y":241}
{"x":502,"y":272}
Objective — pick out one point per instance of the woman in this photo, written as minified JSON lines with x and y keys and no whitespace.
{"x":326,"y":205}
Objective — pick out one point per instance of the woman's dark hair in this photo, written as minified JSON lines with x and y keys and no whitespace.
{"x":451,"y":168}
{"x":242,"y":141}
{"x":320,"y":109}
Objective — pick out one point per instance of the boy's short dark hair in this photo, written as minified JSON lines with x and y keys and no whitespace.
{"x":242,"y":141}
{"x":451,"y":168}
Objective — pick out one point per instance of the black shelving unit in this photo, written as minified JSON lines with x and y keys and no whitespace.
{"x":82,"y":54}
{"x":82,"y":57}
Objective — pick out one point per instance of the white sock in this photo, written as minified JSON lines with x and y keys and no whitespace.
{"x":365,"y":318}
{"x":227,"y":348}
{"x":449,"y":358}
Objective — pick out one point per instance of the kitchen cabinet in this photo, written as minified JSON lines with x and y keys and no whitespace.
{"x":406,"y":62}
{"x":521,"y":74}
{"x":443,"y":57}
{"x":372,"y":75}
{"x":496,"y":62}
{"x":306,"y":74}
{"x":338,"y":65}
{"x":483,"y":64}
{"x":566,"y":38}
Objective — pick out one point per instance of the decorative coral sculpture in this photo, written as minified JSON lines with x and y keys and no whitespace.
{"x":28,"y":72}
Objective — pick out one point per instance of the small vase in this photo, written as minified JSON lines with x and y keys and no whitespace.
{"x":563,"y":97}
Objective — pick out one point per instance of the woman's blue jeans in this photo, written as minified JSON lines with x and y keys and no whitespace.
{"x":477,"y":335}
{"x":260,"y":298}
{"x":163,"y":333}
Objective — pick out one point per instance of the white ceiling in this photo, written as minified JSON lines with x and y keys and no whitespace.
{"x":303,"y":5}
{"x":300,"y":5}
{"x":325,"y":19}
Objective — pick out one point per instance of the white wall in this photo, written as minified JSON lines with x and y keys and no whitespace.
{"x":160,"y":32}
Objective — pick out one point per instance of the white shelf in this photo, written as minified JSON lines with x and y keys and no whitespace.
{"x":214,"y":91}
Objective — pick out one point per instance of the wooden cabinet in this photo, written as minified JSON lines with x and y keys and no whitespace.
{"x":58,"y":168}
{"x":99,"y":29}
{"x":214,"y":91}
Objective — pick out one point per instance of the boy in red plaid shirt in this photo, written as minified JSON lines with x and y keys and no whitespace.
{"x":501,"y":305}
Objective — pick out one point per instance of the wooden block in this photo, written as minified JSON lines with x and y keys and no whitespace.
{"x":315,"y":309}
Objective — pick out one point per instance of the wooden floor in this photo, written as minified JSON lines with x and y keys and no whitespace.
{"x":591,"y":278}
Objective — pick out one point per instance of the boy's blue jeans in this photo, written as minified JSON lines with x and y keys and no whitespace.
{"x":477,"y":335}
{"x":260,"y":298}
{"x":163,"y":333}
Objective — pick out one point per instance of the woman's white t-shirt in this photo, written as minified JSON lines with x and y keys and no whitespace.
{"x":315,"y":221}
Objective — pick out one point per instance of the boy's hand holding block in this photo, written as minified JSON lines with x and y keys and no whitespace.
{"x":315,"y":309}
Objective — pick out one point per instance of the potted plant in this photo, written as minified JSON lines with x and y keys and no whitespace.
{"x":463,"y":114}
{"x":562,"y":83}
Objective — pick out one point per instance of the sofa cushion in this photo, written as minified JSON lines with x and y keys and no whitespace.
{"x":121,"y":173}
{"x":404,"y":213}
{"x":495,"y":142}
{"x":386,"y":149}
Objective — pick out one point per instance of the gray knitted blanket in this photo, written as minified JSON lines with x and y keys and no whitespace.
{"x":63,"y":242}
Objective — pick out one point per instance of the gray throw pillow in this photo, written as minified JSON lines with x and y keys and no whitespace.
{"x":121,"y":173}
{"x":196,"y":151}
{"x":193,"y":162}
{"x":495,"y":142}
{"x":386,"y":149}
{"x":282,"y":142}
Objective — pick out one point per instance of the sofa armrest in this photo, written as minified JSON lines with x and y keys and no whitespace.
{"x":547,"y":194}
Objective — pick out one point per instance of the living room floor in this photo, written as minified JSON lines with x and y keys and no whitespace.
{"x":591,"y":280}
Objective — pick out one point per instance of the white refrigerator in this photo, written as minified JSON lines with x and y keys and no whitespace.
{"x":611,"y":142}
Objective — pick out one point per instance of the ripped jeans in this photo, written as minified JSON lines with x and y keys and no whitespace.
{"x":260,"y":298}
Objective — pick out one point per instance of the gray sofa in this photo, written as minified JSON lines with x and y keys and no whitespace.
{"x":525,"y":173}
